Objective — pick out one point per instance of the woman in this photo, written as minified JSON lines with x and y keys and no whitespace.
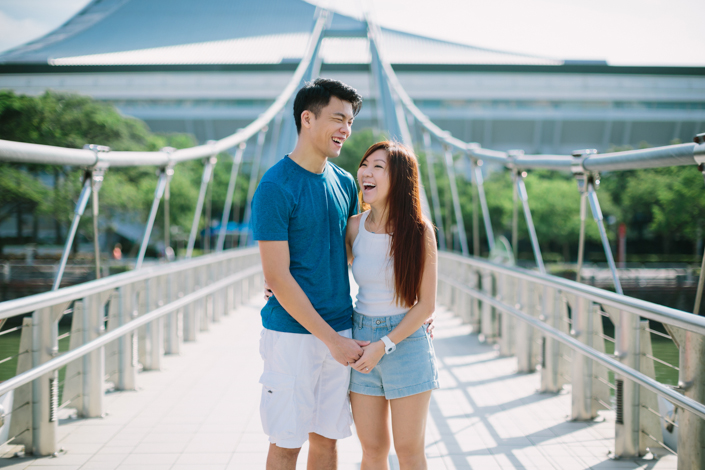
{"x":393,"y":253}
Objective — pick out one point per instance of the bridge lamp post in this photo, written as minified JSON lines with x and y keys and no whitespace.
{"x":237,"y":159}
{"x":478,"y":181}
{"x":438,"y":217}
{"x":209,"y":163}
{"x":254,"y":176}
{"x":520,"y":188}
{"x":165,"y":175}
{"x":92,"y":181}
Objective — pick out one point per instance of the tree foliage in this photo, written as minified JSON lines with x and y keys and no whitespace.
{"x":660,"y":205}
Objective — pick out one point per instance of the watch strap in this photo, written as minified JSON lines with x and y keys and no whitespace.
{"x":389,"y":346}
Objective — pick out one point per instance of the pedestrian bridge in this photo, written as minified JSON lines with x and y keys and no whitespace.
{"x":200,"y":410}
{"x":160,"y":365}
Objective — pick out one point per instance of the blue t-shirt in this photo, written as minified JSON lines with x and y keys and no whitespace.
{"x":311,"y":212}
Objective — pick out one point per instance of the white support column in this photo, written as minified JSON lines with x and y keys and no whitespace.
{"x":45,"y":390}
{"x":174,"y":290}
{"x":93,"y":373}
{"x":488,"y":326}
{"x":628,"y":351}
{"x":550,"y":354}
{"x":524,"y":332}
{"x":581,"y":366}
{"x":128,"y":344}
{"x":191,"y":312}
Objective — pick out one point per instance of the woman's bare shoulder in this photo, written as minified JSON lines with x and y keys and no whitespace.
{"x":354,"y":224}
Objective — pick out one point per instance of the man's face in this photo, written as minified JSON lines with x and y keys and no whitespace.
{"x":331,"y":128}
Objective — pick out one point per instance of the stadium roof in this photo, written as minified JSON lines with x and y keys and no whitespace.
{"x":230,"y":32}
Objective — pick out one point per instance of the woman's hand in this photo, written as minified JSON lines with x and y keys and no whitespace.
{"x":370,"y":357}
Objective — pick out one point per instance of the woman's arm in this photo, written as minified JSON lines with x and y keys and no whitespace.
{"x":351,"y":234}
{"x":418,"y":314}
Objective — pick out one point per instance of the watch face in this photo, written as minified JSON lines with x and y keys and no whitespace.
{"x":389,"y":349}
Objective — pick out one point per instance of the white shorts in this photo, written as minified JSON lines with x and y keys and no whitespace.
{"x":304,"y":389}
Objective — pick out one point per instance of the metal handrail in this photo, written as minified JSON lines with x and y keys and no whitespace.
{"x":31,"y":303}
{"x":612,"y":364}
{"x":46,"y":154}
{"x":660,"y":313}
{"x":117,"y":333}
{"x":670,"y":155}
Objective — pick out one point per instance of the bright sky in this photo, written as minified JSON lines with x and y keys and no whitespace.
{"x":623,"y":32}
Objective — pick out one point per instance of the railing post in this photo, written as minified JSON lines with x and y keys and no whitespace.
{"x":216,"y":299}
{"x":488,"y":326}
{"x":191,"y":312}
{"x":628,"y":351}
{"x":550,"y":347}
{"x":691,"y":428}
{"x":475,"y":312}
{"x":524,"y":332}
{"x":93,"y":373}
{"x":581,"y":366}
{"x":45,"y":390}
{"x":21,"y":419}
{"x":205,"y":304}
{"x":128,"y":344}
{"x":154,"y":331}
{"x":464,"y":302}
{"x":506,"y":285}
{"x":174,"y":290}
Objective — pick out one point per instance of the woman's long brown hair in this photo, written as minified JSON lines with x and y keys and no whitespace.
{"x":405,"y":221}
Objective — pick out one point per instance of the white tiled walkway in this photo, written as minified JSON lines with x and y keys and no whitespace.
{"x":201,"y":413}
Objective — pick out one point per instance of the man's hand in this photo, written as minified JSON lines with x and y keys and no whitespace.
{"x":346,"y":350}
{"x":429,"y":324}
{"x":267,"y":291}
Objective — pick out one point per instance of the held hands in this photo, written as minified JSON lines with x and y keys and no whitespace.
{"x":346,"y":350}
{"x":370,"y":357}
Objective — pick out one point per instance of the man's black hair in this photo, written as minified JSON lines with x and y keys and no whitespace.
{"x":316,"y":95}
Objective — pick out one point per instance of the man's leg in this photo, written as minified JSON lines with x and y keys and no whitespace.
{"x":322,"y":453}
{"x":280,"y":458}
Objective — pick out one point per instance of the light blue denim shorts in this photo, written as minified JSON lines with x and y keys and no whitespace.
{"x":409,"y":370}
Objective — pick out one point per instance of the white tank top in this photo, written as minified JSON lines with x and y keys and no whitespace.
{"x":373,"y":271}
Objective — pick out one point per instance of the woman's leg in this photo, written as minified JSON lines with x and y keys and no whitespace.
{"x":409,"y":428}
{"x":371,"y":415}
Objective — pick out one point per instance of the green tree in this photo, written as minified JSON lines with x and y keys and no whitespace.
{"x":71,"y":121}
{"x":355,"y":147}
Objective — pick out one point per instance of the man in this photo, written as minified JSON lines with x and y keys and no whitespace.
{"x":300,"y":213}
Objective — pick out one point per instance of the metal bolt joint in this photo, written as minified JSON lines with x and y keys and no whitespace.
{"x":98,"y":150}
{"x":512,"y":156}
{"x":579,"y":157}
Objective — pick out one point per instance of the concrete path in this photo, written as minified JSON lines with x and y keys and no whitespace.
{"x":202,"y":413}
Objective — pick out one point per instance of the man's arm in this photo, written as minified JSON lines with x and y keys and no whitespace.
{"x":275,"y":263}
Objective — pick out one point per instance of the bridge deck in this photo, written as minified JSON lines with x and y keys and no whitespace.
{"x":201,"y":413}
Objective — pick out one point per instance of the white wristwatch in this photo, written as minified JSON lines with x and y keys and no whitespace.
{"x":389,"y":347}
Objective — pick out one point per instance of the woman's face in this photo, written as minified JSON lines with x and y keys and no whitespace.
{"x":373,"y":178}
